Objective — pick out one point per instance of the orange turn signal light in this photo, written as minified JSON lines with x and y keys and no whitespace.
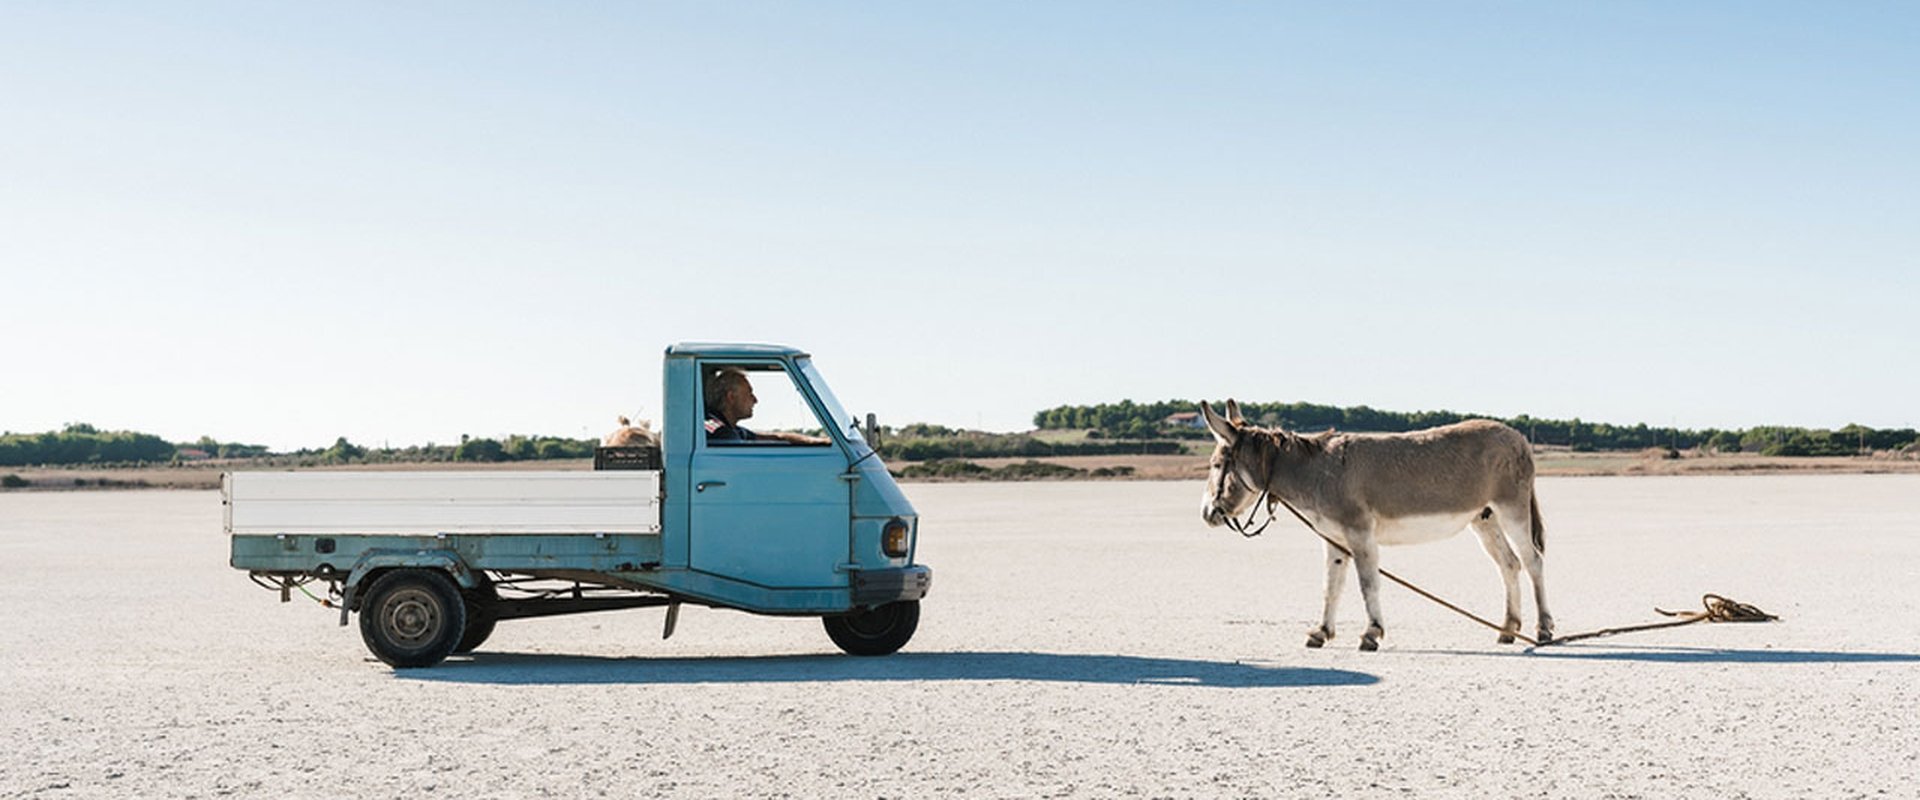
{"x":893,"y":538}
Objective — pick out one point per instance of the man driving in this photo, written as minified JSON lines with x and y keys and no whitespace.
{"x":729,"y":396}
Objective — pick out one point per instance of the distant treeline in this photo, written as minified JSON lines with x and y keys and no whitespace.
{"x":512,"y":448}
{"x":82,"y":444}
{"x":523,"y":448}
{"x":924,"y":442}
{"x":959,"y":470}
{"x":1125,"y":427}
{"x":1127,"y":419}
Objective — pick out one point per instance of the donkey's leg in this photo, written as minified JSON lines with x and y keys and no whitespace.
{"x":1521,"y":521}
{"x":1336,"y":581}
{"x":1509,"y":564}
{"x":1366,"y":563}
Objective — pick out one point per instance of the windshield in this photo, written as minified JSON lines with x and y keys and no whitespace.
{"x":849,"y":427}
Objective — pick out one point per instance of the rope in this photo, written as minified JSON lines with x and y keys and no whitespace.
{"x":1715,"y":607}
{"x":1722,"y":609}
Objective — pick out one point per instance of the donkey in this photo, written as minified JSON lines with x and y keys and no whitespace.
{"x":1398,"y":488}
{"x":630,"y":435}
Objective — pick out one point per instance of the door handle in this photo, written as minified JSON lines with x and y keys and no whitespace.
{"x":702,"y":486}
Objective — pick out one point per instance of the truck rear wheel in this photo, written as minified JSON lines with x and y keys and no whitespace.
{"x":413,"y":617}
{"x":876,"y":631}
{"x":480,"y":614}
{"x":479,"y":627}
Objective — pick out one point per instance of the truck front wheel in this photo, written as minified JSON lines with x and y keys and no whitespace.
{"x":413,"y":617}
{"x":876,"y":631}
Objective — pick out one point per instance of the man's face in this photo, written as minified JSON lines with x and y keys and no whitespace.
{"x":739,"y":402}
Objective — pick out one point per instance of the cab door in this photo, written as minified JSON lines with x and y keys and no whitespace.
{"x":765,"y":511}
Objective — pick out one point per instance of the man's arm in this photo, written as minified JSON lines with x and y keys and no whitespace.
{"x":795,"y":438}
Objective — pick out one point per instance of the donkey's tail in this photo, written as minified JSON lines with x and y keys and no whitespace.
{"x":1539,"y":528}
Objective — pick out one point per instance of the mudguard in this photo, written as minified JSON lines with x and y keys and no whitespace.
{"x":375,"y":560}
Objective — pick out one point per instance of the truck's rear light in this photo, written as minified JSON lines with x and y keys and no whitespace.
{"x":893,"y":538}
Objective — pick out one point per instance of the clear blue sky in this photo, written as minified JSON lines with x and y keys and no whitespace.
{"x":284,"y":222}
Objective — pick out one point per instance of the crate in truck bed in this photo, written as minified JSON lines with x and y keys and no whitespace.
{"x":641,"y":457}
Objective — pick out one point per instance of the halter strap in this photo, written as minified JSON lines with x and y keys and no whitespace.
{"x":1266,"y":494}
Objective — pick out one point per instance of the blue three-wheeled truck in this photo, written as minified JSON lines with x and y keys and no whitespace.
{"x":807,"y":523}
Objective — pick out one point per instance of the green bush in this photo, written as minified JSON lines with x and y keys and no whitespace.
{"x":955,"y":469}
{"x":987,"y":445}
{"x":80,"y":443}
{"x":523,"y":448}
{"x":944,"y":468}
{"x":219,"y":449}
{"x":1037,"y":470}
{"x":480,"y":450}
{"x":343,"y":452}
{"x":12,"y":481}
{"x":923,"y":430}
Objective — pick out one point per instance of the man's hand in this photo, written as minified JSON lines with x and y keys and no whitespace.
{"x":796,"y":438}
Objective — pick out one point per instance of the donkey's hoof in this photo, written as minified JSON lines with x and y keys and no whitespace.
{"x":1506,"y":638}
{"x":1369,"y":644}
{"x":1318,"y":637}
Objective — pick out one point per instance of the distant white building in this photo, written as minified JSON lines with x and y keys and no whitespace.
{"x":1185,"y":419}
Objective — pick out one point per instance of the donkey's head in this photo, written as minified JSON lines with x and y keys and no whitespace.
{"x":1228,"y":495}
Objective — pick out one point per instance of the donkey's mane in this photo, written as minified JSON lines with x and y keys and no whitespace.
{"x":1287,"y":441}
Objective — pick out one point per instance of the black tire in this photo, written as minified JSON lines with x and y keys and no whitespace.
{"x":875,"y":631}
{"x":479,"y":627}
{"x":480,"y":615}
{"x":413,"y":617}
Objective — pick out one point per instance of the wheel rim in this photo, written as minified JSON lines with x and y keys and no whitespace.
{"x":874,"y":623}
{"x":411,"y":616}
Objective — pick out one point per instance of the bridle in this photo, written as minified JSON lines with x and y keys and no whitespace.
{"x":1245,"y":527}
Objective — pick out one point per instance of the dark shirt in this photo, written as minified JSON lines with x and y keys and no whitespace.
{"x":719,"y":430}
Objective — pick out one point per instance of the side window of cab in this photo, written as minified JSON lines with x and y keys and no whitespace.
{"x":750,"y":404}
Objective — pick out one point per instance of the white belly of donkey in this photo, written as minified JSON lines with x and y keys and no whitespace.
{"x":1419,"y":529}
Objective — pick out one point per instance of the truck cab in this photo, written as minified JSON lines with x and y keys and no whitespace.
{"x":770,"y":524}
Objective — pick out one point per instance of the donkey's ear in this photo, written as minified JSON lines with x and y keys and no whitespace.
{"x":1223,"y":430}
{"x":1233,"y":413}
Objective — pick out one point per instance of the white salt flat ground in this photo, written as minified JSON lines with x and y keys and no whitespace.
{"x":1082,"y":640}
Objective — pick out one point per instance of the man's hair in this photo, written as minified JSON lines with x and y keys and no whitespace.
{"x":719,"y":382}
